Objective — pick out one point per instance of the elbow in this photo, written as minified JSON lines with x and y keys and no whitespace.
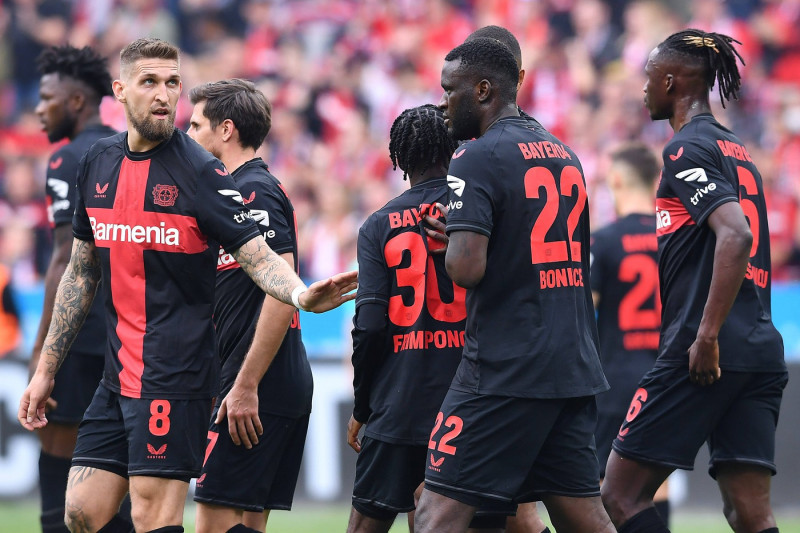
{"x":738,"y":242}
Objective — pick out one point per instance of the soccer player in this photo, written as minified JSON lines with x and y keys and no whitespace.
{"x":245,"y":475}
{"x":624,"y":279}
{"x":73,"y":83}
{"x":152,"y":207}
{"x":517,"y":422}
{"x":720,"y":372}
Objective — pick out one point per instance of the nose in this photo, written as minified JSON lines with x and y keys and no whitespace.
{"x":39,"y":109}
{"x":442,"y":102}
{"x":162,"y":94}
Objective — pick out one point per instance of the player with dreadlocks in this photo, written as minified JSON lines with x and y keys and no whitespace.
{"x":73,"y":83}
{"x":408,"y":329}
{"x":714,"y":271}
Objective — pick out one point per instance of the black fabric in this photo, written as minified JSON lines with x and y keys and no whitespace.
{"x":287,"y":386}
{"x":705,"y":166}
{"x":664,"y":510}
{"x":369,"y":334}
{"x":646,"y":521}
{"x":241,"y":528}
{"x":168,"y":529}
{"x":157,"y":219}
{"x":531,"y":329}
{"x":53,"y":475}
{"x":53,"y":521}
{"x":488,"y":521}
{"x":118,"y":525}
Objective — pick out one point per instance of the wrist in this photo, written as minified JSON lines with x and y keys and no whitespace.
{"x":296,"y":292}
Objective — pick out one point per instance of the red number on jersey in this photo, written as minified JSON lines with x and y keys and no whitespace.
{"x":748,"y":181}
{"x":159,"y":419}
{"x":543,"y":251}
{"x":425,"y":288}
{"x":633,"y":313}
{"x":455,"y":424}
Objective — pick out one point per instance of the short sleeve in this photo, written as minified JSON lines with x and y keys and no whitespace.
{"x":470,"y":199}
{"x":62,"y":171}
{"x":271,"y":211}
{"x":81,"y":227}
{"x":695,"y":177}
{"x":221,"y":213}
{"x":373,"y":276}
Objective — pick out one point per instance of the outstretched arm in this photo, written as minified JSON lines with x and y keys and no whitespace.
{"x":240,"y":405}
{"x":276,"y":278}
{"x":73,"y":300}
{"x":731,"y":256}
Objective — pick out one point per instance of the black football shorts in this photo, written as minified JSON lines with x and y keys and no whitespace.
{"x":263,"y":477}
{"x":387,"y":475}
{"x":669,"y":419}
{"x":76,"y":382}
{"x":486,"y":449}
{"x":142,"y":436}
{"x":611,"y":408}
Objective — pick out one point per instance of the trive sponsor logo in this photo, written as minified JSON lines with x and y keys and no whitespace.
{"x":455,"y":205}
{"x":663,"y":219}
{"x":695,"y":199}
{"x":560,"y":277}
{"x":161,"y":234}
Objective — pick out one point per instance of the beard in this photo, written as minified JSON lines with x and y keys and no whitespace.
{"x":464,"y":125}
{"x":62,"y":130}
{"x":151,"y":129}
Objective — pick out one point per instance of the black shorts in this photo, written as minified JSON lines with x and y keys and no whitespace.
{"x":263,"y":477}
{"x":611,"y":408}
{"x":485,"y":449}
{"x":143,"y":437}
{"x":387,"y":475}
{"x":76,"y":381}
{"x":669,"y":418}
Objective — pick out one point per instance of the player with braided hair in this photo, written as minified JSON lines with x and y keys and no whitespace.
{"x":714,"y":272}
{"x":408,"y":329}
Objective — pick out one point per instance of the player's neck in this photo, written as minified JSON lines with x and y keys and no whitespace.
{"x":88,"y":122}
{"x":234,"y":157}
{"x":508,"y":110}
{"x":431,"y":173}
{"x":686,"y":109}
{"x":634,"y":204}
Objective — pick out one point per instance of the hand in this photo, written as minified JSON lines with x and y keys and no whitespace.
{"x":704,"y":361}
{"x":32,"y":405}
{"x":435,"y":229}
{"x":32,"y":366}
{"x":330,"y":293}
{"x":241,"y":408}
{"x":353,"y":427}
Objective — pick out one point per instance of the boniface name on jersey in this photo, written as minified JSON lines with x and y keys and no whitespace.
{"x":160,"y":234}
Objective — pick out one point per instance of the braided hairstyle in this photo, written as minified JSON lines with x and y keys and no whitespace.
{"x":717,"y":54}
{"x":81,"y":64}
{"x":419,"y":140}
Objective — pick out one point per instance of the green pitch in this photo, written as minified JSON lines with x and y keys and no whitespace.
{"x":22,"y":517}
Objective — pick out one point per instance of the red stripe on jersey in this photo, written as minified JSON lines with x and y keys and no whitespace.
{"x":671,"y":215}
{"x":127,"y":231}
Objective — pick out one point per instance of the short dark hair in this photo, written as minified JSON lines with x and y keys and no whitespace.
{"x":81,"y":64}
{"x":147,"y":48}
{"x":641,"y":159}
{"x":500,"y":34}
{"x":490,"y":59}
{"x":716,"y":53}
{"x":419,"y":139}
{"x":241,"y":102}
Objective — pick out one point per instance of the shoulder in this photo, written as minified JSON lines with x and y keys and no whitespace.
{"x":197,"y":156}
{"x":112,"y":144}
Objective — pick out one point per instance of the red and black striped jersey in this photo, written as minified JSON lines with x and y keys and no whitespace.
{"x":287,"y":386}
{"x":157,"y":219}
{"x":531,"y":328}
{"x":705,"y":166}
{"x":403,"y":365}
{"x":62,"y":170}
{"x":624,"y":272}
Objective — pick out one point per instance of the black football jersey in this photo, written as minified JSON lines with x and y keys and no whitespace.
{"x":287,"y":386}
{"x":706,"y":165}
{"x":426,"y":316}
{"x":157,"y":219}
{"x":62,"y":170}
{"x":531,"y":328}
{"x":625,"y":273}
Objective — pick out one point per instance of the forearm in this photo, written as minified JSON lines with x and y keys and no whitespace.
{"x":72,"y":302}
{"x":267,"y":269}
{"x":731,"y":256}
{"x":271,"y":328}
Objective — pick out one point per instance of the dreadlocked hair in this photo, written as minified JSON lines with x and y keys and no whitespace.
{"x":81,"y":64}
{"x":718,"y":55}
{"x":419,"y":140}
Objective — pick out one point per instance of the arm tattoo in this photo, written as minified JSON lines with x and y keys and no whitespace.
{"x":73,"y":300}
{"x":267,"y":269}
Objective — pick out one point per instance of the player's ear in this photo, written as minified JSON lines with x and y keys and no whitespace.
{"x":77,"y":100}
{"x":483,"y":90}
{"x":521,"y":78}
{"x":228,"y":128}
{"x":118,"y":86}
{"x":669,"y":83}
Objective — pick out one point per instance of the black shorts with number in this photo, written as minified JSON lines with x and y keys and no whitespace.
{"x":669,"y":418}
{"x":387,"y":475}
{"x":143,"y":437}
{"x":76,"y":381}
{"x":263,"y":477}
{"x":495,"y":448}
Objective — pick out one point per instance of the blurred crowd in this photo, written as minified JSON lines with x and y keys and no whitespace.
{"x":339,"y":71}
